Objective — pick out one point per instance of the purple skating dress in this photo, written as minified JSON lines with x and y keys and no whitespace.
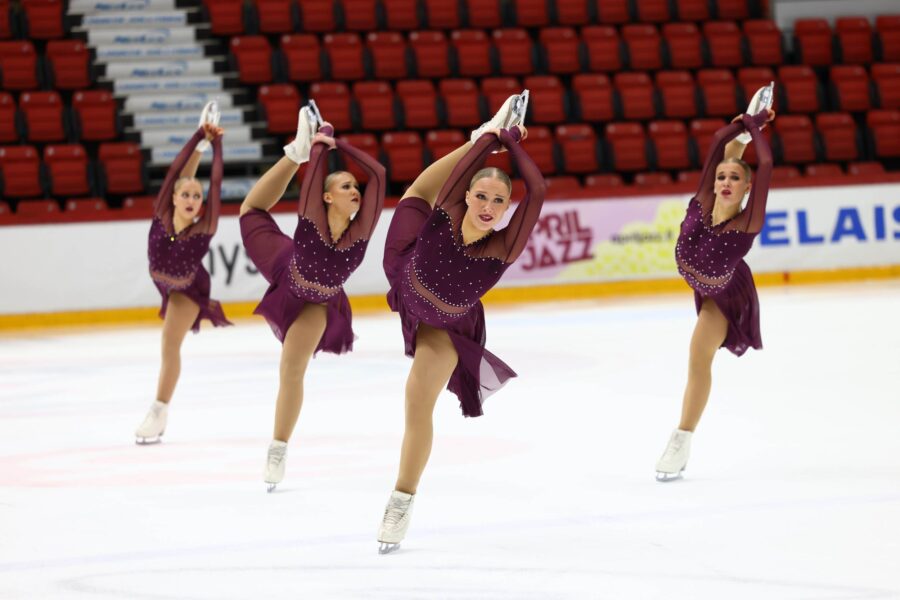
{"x":710,"y":257}
{"x":437,"y":280}
{"x":311,"y":267}
{"x":176,"y":258}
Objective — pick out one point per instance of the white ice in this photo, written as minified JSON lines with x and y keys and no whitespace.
{"x":792,"y":492}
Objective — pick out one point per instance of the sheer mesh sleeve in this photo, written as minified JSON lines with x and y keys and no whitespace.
{"x":705,"y":195}
{"x":373,"y":199}
{"x":311,"y":204}
{"x":515,"y":235}
{"x":452,"y":197}
{"x":163,"y":208}
{"x":210,"y":220}
{"x":752,"y":218}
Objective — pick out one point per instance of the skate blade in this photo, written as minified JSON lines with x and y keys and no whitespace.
{"x":148,"y":441}
{"x":520,"y":107}
{"x":270,"y":487}
{"x":387,"y":547}
{"x":665,"y":477}
{"x":316,"y":115}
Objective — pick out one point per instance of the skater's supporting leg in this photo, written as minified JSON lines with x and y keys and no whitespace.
{"x":299,"y":344}
{"x":269,"y":189}
{"x":180,"y":316}
{"x":432,"y":366}
{"x":709,"y":333}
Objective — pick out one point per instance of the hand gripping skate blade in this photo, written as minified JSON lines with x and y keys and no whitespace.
{"x":762,"y":100}
{"x":387,"y":547}
{"x":315,"y":114}
{"x":210,"y":113}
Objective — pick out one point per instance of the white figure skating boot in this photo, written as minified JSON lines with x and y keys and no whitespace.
{"x":154,"y":425}
{"x":209,"y":115}
{"x":275,"y":462}
{"x":393,"y":528}
{"x":762,"y":100}
{"x":307,"y":125}
{"x":674,"y":460}
{"x":512,"y":113}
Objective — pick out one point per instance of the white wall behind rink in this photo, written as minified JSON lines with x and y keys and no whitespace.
{"x":84,"y":266}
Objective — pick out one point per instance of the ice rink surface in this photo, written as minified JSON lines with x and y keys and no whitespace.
{"x":792,"y":491}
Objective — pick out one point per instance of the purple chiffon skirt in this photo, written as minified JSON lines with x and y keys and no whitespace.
{"x":478,"y":374}
{"x":740,"y":305}
{"x":198,"y":292}
{"x":271,"y":252}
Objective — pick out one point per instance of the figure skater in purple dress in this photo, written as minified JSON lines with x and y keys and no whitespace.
{"x":444,"y":251}
{"x":180,"y":234}
{"x":715,"y":236}
{"x":305,"y":305}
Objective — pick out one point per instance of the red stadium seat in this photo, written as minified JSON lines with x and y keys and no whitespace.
{"x":139,"y":205}
{"x":653,"y":11}
{"x":42,"y":113}
{"x":796,"y":138}
{"x":318,"y":16}
{"x":578,"y":146}
{"x":823,"y":170}
{"x":750,"y":155}
{"x":692,"y":10}
{"x":560,"y":50}
{"x":253,"y":57}
{"x":461,"y":100}
{"x":752,"y":78}
{"x":605,"y":49}
{"x":865,"y":168}
{"x":678,"y":94}
{"x":515,"y":51}
{"x":564,"y":186}
{"x":628,"y":147}
{"x":886,"y":78}
{"x":376,"y":105}
{"x":85,"y":205}
{"x":573,"y":12}
{"x":850,"y":88}
{"x":303,"y":57}
{"x":884,"y":129}
{"x":483,"y":14}
{"x":359,"y":15}
{"x":670,"y":140}
{"x":887,"y":37}
{"x":276,"y":16}
{"x":702,"y":132}
{"x":389,"y":54}
{"x":345,"y":54}
{"x":497,"y":89}
{"x":718,"y":92}
{"x":43,"y":19}
{"x":692,"y":177}
{"x":531,"y":13}
{"x":593,"y":96}
{"x":366,"y":142}
{"x":431,"y":52}
{"x":637,"y":95}
{"x":813,"y":42}
{"x":401,"y":14}
{"x":419,"y":100}
{"x":95,"y":116}
{"x":840,"y":137}
{"x":540,"y":148}
{"x":473,"y":52}
{"x":733,"y":10}
{"x":5,"y":29}
{"x":443,"y":142}
{"x":68,"y":169}
{"x":18,"y":66}
{"x":9,"y":132}
{"x":800,"y":89}
{"x":280,"y":104}
{"x":548,"y":99}
{"x":226,"y":17}
{"x":785,"y":174}
{"x":854,"y":40}
{"x":603,"y":181}
{"x":123,"y":167}
{"x":440,"y":14}
{"x":404,"y":152}
{"x":68,"y":64}
{"x":614,"y":12}
{"x":644,"y":47}
{"x":724,"y":40}
{"x":764,"y":42}
{"x":685,"y":45}
{"x":652,"y":178}
{"x":37,"y":208}
{"x":20,"y":169}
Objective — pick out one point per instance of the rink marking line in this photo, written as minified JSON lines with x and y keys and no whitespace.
{"x":375,"y":303}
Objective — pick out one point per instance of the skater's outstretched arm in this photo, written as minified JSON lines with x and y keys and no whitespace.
{"x":311,"y":205}
{"x":455,"y":182}
{"x":163,"y":208}
{"x":515,"y":234}
{"x":373,"y":200}
{"x":209,"y":222}
{"x":753,"y":216}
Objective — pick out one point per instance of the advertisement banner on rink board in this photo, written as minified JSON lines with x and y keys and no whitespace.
{"x":85,"y":266}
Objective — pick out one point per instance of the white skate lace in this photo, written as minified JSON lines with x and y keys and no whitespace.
{"x":395,"y":512}
{"x":673,"y":448}
{"x":276,"y":455}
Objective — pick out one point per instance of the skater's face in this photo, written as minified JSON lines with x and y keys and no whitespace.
{"x":188,"y":199}
{"x":488,"y":201}
{"x":732,"y":184}
{"x":342,"y":193}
